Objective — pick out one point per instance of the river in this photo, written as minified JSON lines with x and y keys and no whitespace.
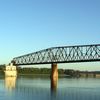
{"x":31,"y":88}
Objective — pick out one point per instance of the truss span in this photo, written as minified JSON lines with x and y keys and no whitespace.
{"x":64,"y":54}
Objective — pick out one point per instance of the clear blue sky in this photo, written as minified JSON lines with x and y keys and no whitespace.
{"x":31,"y":25}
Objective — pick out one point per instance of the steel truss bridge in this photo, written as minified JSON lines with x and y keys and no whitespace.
{"x":64,"y":54}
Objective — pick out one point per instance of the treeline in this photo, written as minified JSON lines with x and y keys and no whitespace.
{"x":67,"y":72}
{"x":37,"y":70}
{"x":72,"y":73}
{"x":2,"y":68}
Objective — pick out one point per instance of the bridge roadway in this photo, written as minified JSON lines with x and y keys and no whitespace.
{"x":64,"y":54}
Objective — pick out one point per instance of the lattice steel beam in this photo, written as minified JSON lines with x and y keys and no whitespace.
{"x":65,"y":54}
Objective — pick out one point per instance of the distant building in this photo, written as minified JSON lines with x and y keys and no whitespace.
{"x":10,"y":70}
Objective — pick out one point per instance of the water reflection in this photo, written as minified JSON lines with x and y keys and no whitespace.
{"x":54,"y":82}
{"x":10,"y":83}
{"x":43,"y":88}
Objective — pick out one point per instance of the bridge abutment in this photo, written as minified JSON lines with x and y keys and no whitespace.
{"x":10,"y":71}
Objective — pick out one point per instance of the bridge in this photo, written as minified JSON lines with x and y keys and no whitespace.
{"x":64,"y":54}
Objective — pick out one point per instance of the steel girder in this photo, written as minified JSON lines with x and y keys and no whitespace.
{"x":65,"y":54}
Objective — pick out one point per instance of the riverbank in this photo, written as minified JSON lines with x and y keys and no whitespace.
{"x":31,"y":71}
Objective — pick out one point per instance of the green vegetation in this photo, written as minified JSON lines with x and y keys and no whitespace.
{"x":67,"y":72}
{"x":72,"y":73}
{"x":36,"y":71}
{"x":31,"y":70}
{"x":2,"y":68}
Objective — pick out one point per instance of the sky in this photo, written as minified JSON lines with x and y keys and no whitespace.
{"x":31,"y":25}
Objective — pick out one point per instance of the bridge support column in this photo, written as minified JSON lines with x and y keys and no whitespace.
{"x":54,"y":71}
{"x":54,"y":76}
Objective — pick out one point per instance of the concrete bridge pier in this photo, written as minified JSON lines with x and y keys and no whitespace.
{"x":54,"y":76}
{"x":54,"y":71}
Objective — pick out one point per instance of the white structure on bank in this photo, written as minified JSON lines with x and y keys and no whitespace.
{"x":11,"y":70}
